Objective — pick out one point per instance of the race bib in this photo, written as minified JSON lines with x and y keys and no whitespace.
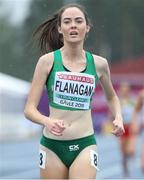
{"x":42,"y":158}
{"x":94,"y":159}
{"x":73,"y":89}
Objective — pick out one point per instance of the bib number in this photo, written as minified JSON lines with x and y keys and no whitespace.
{"x":94,"y":159}
{"x":42,"y":159}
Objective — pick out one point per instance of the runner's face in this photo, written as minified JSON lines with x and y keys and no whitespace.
{"x":73,"y":25}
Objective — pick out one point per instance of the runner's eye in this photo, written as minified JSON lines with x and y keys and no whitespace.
{"x":66,"y":21}
{"x":79,"y":21}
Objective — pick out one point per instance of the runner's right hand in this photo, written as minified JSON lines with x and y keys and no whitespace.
{"x":56,"y":127}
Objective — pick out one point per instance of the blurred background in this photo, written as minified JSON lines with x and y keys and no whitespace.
{"x":117,"y":35}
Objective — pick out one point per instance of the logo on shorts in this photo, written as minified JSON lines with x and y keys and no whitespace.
{"x":74,"y":147}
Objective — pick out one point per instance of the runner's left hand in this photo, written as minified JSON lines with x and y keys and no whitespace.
{"x":118,"y":128}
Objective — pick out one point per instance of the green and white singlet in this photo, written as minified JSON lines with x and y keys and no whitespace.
{"x":71,"y":90}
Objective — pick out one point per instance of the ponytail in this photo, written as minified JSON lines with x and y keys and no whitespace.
{"x":49,"y":37}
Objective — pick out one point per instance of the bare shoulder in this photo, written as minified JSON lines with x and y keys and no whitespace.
{"x":100,"y":61}
{"x":45,"y":62}
{"x":101,"y":64}
{"x":46,"y":59}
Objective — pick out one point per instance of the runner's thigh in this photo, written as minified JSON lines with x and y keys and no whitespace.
{"x":85,"y":165}
{"x":51,"y":167}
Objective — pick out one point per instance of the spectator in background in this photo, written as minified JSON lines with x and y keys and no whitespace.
{"x":127,"y":139}
{"x":139,"y":126}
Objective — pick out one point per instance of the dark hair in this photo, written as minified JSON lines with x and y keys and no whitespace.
{"x":48,"y":36}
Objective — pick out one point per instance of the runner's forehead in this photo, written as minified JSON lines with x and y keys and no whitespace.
{"x":72,"y":13}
